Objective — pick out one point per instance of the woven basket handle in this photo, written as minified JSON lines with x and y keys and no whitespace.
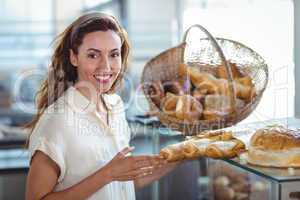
{"x":223,"y":60}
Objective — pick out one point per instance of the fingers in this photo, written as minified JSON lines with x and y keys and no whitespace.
{"x":124,"y":152}
{"x":135,"y":174}
{"x":148,"y":161}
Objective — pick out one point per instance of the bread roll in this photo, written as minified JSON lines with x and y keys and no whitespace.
{"x":195,"y":148}
{"x":225,"y":149}
{"x":245,"y":81}
{"x":217,"y":144}
{"x":222,"y":72}
{"x":275,"y":146}
{"x":198,"y":77}
{"x":173,"y":152}
{"x":156,"y":92}
{"x":217,"y":106}
{"x":208,"y":87}
{"x":188,"y":108}
{"x":173,"y":87}
{"x":242,"y":90}
{"x":169,"y":103}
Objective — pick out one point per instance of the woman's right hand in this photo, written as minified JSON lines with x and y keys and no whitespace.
{"x":126,"y":168}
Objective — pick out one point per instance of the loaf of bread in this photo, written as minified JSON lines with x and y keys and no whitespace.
{"x":214,"y":144}
{"x":275,"y":146}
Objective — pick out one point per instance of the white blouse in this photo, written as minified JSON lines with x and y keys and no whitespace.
{"x":72,"y":135}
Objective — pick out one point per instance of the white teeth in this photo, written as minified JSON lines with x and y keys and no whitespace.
{"x":102,"y":77}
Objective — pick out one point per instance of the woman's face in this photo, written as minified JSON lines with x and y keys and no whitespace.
{"x":98,"y":61}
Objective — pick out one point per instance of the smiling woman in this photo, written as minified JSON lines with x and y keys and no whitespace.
{"x":98,"y":49}
{"x":79,"y":142}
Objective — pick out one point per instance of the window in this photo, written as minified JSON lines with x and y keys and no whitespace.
{"x":266,"y":26}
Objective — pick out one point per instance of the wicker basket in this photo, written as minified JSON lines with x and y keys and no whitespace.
{"x":211,"y":51}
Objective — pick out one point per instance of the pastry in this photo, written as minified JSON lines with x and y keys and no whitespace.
{"x":195,"y":148}
{"x":169,"y":103}
{"x":172,"y":87}
{"x":225,"y":177}
{"x":243,"y":90}
{"x":173,"y":152}
{"x":188,"y":108}
{"x":183,"y":107}
{"x":245,"y":81}
{"x":225,"y":149}
{"x":217,"y":144}
{"x":222,"y":72}
{"x":217,"y":106}
{"x":156,"y":92}
{"x":275,"y":146}
{"x":208,"y":87}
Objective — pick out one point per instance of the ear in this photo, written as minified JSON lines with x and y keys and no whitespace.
{"x":73,"y":58}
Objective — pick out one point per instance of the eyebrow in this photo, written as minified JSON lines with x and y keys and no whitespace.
{"x":99,"y":51}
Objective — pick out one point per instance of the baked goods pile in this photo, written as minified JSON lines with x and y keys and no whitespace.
{"x":275,"y":146}
{"x":229,"y":183}
{"x":202,"y":95}
{"x":214,"y":144}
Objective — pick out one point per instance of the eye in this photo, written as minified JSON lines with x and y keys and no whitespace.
{"x":115,"y":54}
{"x":92,"y":55}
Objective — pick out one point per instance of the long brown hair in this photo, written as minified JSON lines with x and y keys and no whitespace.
{"x":62,"y":74}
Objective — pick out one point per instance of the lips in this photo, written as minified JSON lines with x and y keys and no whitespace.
{"x":103,"y":78}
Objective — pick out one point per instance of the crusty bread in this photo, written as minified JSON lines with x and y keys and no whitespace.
{"x":222,"y":72}
{"x":275,"y":147}
{"x":173,"y":152}
{"x":214,"y":144}
{"x":276,"y":138}
{"x":183,"y":107}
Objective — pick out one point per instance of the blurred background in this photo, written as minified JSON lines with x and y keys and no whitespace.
{"x":27,"y":28}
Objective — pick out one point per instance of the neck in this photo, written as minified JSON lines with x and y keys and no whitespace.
{"x":93,"y":95}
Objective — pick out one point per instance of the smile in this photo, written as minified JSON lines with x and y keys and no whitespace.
{"x":103,"y":78}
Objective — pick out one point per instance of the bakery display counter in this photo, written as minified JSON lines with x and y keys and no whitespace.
{"x":238,"y":179}
{"x":235,"y":178}
{"x":232,"y":179}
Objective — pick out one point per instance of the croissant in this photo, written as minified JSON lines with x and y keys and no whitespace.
{"x":156,"y":92}
{"x":224,"y":149}
{"x":245,"y":81}
{"x":195,"y":148}
{"x":173,"y":152}
{"x":169,"y":103}
{"x":222,"y":72}
{"x":208,"y":87}
{"x":200,"y":77}
{"x":172,"y":87}
{"x":243,"y":88}
{"x":245,"y":92}
{"x":214,"y":144}
{"x":188,"y":108}
{"x":217,"y":135}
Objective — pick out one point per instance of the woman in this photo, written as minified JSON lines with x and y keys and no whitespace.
{"x":79,"y":140}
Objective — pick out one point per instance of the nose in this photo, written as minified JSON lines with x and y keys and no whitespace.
{"x":105,"y":64}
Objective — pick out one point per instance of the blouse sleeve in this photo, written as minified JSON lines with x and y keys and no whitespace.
{"x":47,"y":137}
